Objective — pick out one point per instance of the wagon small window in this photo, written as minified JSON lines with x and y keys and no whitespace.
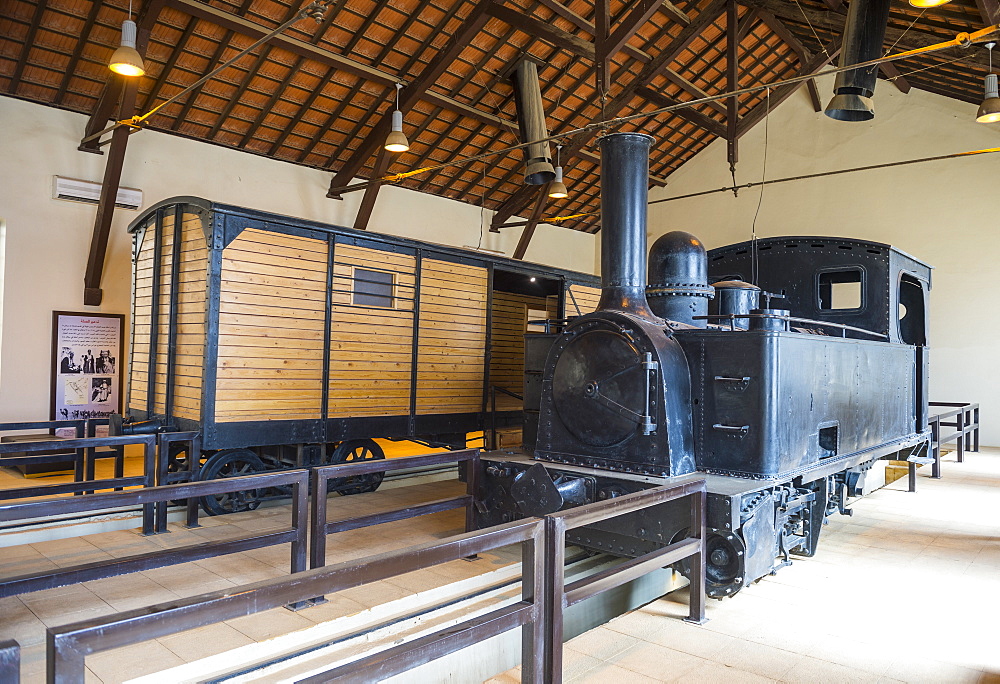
{"x":841,"y":289}
{"x":373,"y":288}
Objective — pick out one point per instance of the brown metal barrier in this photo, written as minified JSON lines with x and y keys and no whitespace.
{"x":164,"y":477}
{"x":10,"y":661}
{"x":68,"y":645}
{"x":296,"y":534}
{"x":320,"y":476}
{"x":84,"y":452}
{"x":561,"y":596}
{"x":966,"y":433}
{"x":83,"y":459}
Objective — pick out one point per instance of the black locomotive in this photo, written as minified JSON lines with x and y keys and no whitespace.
{"x":786,"y":414}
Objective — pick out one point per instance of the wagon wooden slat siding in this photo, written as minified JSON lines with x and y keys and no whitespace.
{"x":294,"y":332}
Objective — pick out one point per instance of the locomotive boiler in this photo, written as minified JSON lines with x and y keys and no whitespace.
{"x":784,"y":391}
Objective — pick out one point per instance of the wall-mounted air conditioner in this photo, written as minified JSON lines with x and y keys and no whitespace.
{"x":76,"y":190}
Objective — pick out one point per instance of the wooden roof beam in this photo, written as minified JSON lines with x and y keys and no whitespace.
{"x":782,"y":93}
{"x":518,"y":200}
{"x":893,"y":75}
{"x":536,"y":215}
{"x":990,"y":11}
{"x":834,"y":23}
{"x":542,"y":30}
{"x":414,"y":92}
{"x":689,"y":113}
{"x":692,"y":89}
{"x":783,"y":32}
{"x":371,"y":192}
{"x":113,"y":89}
{"x":92,"y":292}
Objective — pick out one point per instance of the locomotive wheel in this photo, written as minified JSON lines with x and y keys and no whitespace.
{"x":724,"y":557}
{"x":232,"y":463}
{"x":356,"y":451}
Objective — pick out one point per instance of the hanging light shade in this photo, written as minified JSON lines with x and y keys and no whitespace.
{"x":396,"y":141}
{"x":557,"y":189}
{"x":989,"y":110}
{"x":864,"y":34}
{"x":127,"y":61}
{"x":923,"y":4}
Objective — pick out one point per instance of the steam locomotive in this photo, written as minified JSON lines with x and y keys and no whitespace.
{"x":785,"y":414}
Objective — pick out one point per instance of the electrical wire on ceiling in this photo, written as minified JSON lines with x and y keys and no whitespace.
{"x":961,"y":40}
{"x":760,"y":199}
{"x":775,"y":181}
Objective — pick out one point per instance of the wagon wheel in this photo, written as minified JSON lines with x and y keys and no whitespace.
{"x":356,"y":451}
{"x":232,"y":463}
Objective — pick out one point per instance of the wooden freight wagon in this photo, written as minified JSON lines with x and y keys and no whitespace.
{"x":290,"y":342}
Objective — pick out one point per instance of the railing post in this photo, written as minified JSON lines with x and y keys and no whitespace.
{"x":317,"y":548}
{"x":162,"y":459}
{"x":149,"y":464}
{"x":533,"y":634}
{"x":960,"y":425}
{"x":300,"y":522}
{"x":10,"y":661}
{"x":975,"y":433}
{"x":936,"y":447}
{"x":696,"y":599}
{"x":911,"y":473}
{"x":194,"y":466}
{"x":472,"y":490}
{"x":555,"y":592}
{"x":64,"y":664}
{"x":968,"y":430}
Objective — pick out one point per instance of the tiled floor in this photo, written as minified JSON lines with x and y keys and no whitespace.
{"x":26,"y":617}
{"x":908,"y":589}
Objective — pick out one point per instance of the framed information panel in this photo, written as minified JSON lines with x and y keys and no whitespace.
{"x":86,"y":365}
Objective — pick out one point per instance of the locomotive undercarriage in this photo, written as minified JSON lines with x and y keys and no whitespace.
{"x":753,"y":527}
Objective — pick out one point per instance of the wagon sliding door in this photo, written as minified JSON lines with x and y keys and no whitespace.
{"x":451,"y":344}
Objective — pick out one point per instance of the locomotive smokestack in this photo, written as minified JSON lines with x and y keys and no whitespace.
{"x":624,"y":189}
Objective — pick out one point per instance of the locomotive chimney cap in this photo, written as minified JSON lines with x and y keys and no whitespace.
{"x":734,"y":285}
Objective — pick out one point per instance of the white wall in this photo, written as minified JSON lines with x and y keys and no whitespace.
{"x":944,"y":212}
{"x":48,"y":240}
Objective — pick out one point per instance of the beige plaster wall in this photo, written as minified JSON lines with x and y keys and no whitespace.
{"x":944,"y":212}
{"x":47,"y":240}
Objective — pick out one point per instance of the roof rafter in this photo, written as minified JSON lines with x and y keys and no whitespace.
{"x":782,"y":93}
{"x":517,"y":201}
{"x":472,"y":25}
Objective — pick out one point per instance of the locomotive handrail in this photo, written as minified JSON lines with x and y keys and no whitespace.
{"x":68,"y":645}
{"x":791,"y":319}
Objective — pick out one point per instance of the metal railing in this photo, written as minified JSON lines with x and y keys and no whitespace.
{"x":83,"y":458}
{"x":539,"y":612}
{"x":147,"y":497}
{"x":561,"y":596}
{"x":320,"y":476}
{"x":164,"y":476}
{"x":966,"y":433}
{"x":10,"y":661}
{"x":68,"y":645}
{"x":83,"y":452}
